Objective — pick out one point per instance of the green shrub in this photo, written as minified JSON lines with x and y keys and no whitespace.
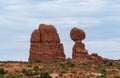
{"x":104,"y":72}
{"x":118,"y":66}
{"x":62,"y":65}
{"x":24,"y":71}
{"x":84,"y":65}
{"x":37,"y":61}
{"x":61,"y":73}
{"x":30,"y":65}
{"x":77,"y":76}
{"x":116,"y":76}
{"x":45,"y":75}
{"x":110,"y":64}
{"x":1,"y":76}
{"x":2,"y":71}
{"x":14,"y":76}
{"x":29,"y":72}
{"x":36,"y":68}
{"x":70,"y":64}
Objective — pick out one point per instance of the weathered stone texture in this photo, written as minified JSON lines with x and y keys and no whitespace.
{"x":79,"y":51}
{"x":77,"y":34}
{"x":45,"y":44}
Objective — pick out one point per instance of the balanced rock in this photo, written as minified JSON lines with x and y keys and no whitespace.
{"x":77,"y":34}
{"x":79,"y":51}
{"x":45,"y":44}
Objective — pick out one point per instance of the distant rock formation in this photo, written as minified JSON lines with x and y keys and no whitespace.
{"x":95,"y":57}
{"x":45,"y":44}
{"x":79,"y":51}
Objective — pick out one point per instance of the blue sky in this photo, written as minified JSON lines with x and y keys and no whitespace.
{"x":100,"y":19}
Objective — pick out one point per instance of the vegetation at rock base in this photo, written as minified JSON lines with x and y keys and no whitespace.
{"x":45,"y":75}
{"x":68,"y":69}
{"x":2,"y":72}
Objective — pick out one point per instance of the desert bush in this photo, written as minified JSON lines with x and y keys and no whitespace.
{"x":104,"y":72}
{"x":118,"y":66}
{"x":77,"y":76}
{"x":73,"y":71}
{"x":62,"y":65}
{"x":36,"y":68}
{"x":30,"y":65}
{"x":14,"y":76}
{"x":70,"y":64}
{"x":45,"y":75}
{"x":61,"y":73}
{"x":116,"y":76}
{"x":84,"y":65}
{"x":1,"y":76}
{"x":24,"y":70}
{"x":30,"y":72}
{"x":37,"y":61}
{"x":110,"y":64}
{"x":2,"y":64}
{"x":2,"y":71}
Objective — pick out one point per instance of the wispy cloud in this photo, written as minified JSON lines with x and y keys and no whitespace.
{"x":107,"y":49}
{"x":99,"y":18}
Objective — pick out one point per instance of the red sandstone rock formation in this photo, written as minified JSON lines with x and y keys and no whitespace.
{"x":95,"y":57}
{"x":79,"y":51}
{"x":45,"y":44}
{"x":77,"y":34}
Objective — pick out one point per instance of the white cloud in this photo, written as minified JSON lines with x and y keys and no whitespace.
{"x":104,"y":48}
{"x":14,"y":7}
{"x":20,"y":17}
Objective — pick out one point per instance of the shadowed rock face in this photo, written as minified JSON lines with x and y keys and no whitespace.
{"x":48,"y":34}
{"x":79,"y":51}
{"x":45,"y":44}
{"x":95,"y":57}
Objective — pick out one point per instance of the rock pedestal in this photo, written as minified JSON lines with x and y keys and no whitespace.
{"x":45,"y":44}
{"x":79,"y":51}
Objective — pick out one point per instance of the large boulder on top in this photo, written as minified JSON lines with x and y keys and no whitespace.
{"x":77,"y":34}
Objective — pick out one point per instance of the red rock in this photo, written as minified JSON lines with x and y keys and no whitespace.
{"x":49,"y":34}
{"x":77,"y":34}
{"x":95,"y":57}
{"x":79,"y":51}
{"x":35,"y":37}
{"x":45,"y":44}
